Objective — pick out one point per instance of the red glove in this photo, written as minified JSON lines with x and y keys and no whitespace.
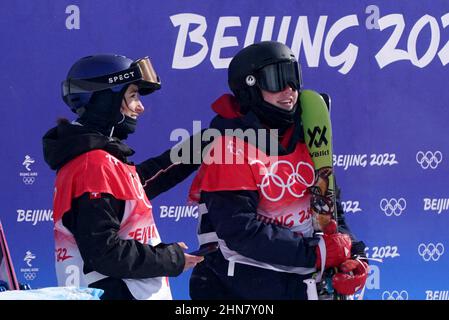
{"x":351,"y":278}
{"x":338,"y":250}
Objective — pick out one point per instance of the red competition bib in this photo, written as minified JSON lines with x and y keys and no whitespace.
{"x":281,"y":181}
{"x":98,"y":172}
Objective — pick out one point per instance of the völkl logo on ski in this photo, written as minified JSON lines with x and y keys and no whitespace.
{"x":317,"y":136}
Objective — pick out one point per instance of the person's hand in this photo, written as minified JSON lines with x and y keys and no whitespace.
{"x":351,"y":277}
{"x":190,"y":261}
{"x":338,"y":250}
{"x":183,"y":245}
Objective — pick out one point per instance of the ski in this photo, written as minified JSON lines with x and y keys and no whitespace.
{"x":318,"y":137}
{"x":7,"y":273}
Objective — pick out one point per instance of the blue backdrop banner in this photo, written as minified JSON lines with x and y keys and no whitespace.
{"x":383,"y":63}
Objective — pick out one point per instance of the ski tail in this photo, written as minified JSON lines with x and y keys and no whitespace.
{"x":7,"y":273}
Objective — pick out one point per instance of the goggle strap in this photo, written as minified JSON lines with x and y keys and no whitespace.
{"x":101,"y":83}
{"x":139,"y":70}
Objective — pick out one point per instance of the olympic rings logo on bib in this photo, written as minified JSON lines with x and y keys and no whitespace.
{"x":271,"y":178}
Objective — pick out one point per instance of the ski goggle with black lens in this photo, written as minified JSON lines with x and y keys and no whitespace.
{"x":276,"y":77}
{"x":140,"y":72}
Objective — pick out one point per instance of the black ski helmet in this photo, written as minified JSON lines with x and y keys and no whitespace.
{"x":267,"y":65}
{"x":106,"y":71}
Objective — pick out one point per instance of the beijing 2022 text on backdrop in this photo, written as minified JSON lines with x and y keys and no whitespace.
{"x":384,"y":64}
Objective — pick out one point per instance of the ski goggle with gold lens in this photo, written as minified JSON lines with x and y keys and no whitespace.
{"x":141,"y":72}
{"x":276,"y":77}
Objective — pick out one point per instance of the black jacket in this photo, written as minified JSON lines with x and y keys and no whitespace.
{"x":232,"y":215}
{"x":95,"y":222}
